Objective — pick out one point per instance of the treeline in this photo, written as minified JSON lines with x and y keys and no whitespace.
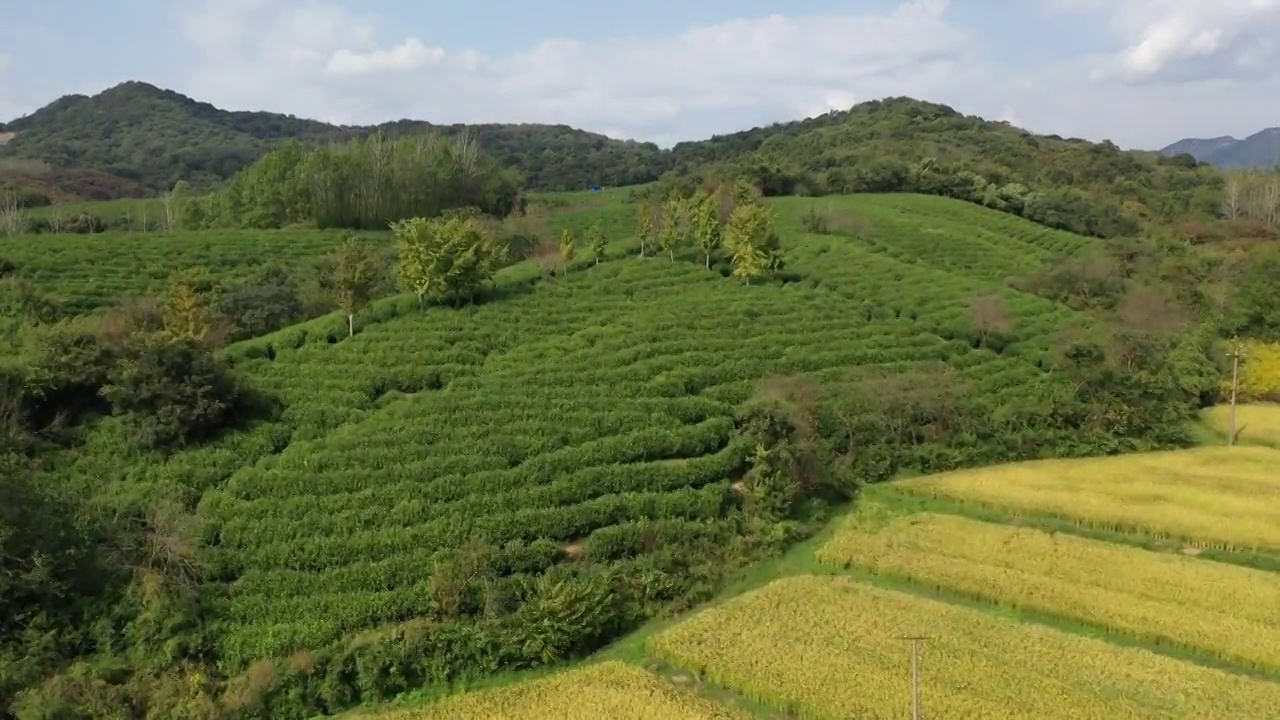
{"x":363,"y":184}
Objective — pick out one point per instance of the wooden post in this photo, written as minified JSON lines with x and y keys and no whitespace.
{"x":1235,"y":384}
{"x":915,"y":672}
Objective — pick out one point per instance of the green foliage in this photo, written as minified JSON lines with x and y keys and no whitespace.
{"x":135,"y":138}
{"x":355,"y":278}
{"x":365,"y":183}
{"x":705,"y":225}
{"x":576,"y":457}
{"x":170,"y":392}
{"x":906,"y":145}
{"x":748,"y":237}
{"x":446,"y":258}
{"x":567,"y":248}
{"x":597,"y":241}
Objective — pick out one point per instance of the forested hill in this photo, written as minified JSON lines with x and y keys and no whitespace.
{"x":902,"y":144}
{"x":148,"y":138}
{"x":144,"y":139}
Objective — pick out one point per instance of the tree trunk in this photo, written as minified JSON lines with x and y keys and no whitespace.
{"x":708,"y":260}
{"x":351,"y":324}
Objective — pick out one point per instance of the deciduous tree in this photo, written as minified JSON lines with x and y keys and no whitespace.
{"x":747,"y":238}
{"x":354,"y":278}
{"x":597,"y":241}
{"x":568,"y":248}
{"x":445,"y":258}
{"x":706,"y":226}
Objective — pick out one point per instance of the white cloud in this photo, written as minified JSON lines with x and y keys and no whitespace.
{"x":408,"y":55}
{"x":329,"y":60}
{"x":1187,"y":40}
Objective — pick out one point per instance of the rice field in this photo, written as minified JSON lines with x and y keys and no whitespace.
{"x":1257,"y":423}
{"x":1213,"y":497}
{"x":829,"y":647}
{"x":612,"y":690}
{"x":1230,"y":612}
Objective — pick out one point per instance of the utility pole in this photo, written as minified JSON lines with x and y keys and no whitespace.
{"x":1237,"y":351}
{"x":915,"y":672}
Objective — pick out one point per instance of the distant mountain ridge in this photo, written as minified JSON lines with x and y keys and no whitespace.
{"x":1260,"y":150}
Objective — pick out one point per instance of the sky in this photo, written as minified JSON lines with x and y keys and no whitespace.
{"x":1141,"y":73}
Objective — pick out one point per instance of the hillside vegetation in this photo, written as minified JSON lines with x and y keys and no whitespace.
{"x":419,"y":490}
{"x":154,"y":138}
{"x":147,"y":139}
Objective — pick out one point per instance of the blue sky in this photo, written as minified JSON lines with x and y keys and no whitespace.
{"x":1140,"y":72}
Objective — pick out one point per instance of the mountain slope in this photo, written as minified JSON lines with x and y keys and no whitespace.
{"x":906,"y":145}
{"x":155,"y":137}
{"x":1259,"y":150}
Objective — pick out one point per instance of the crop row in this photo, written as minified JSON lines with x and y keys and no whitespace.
{"x":970,"y":218}
{"x":460,"y":494}
{"x":1210,"y":497}
{"x":605,"y":690}
{"x":830,"y":647}
{"x":1147,"y":595}
{"x":89,"y":271}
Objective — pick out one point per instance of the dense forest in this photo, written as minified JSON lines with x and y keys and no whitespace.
{"x":146,"y":139}
{"x":137,"y":139}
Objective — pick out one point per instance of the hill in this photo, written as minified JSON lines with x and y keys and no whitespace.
{"x":149,"y":138}
{"x":907,"y":145}
{"x":454,"y":491}
{"x":1260,"y":150}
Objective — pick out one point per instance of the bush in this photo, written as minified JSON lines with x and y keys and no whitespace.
{"x":170,"y":392}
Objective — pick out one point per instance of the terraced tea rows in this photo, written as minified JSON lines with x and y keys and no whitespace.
{"x":828,"y":648}
{"x":1228,"y":611}
{"x":89,"y":271}
{"x":941,"y":234}
{"x":1211,"y":497}
{"x":601,"y":401}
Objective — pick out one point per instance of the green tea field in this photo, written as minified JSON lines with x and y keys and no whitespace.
{"x":453,"y":493}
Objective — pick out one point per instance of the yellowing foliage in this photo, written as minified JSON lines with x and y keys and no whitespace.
{"x":1210,"y":497}
{"x":826,"y":647}
{"x":1257,"y":424}
{"x":1259,"y":373}
{"x":612,"y":690}
{"x":1231,"y":612}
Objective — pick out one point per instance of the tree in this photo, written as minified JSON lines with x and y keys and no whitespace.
{"x":170,"y":391}
{"x":13,"y":217}
{"x":445,"y":258}
{"x":1233,"y":195}
{"x":645,"y":230}
{"x":675,"y":225}
{"x":354,"y":278}
{"x":172,"y":202}
{"x":705,"y":224}
{"x":747,"y":237}
{"x":567,"y":247}
{"x":596,"y":241}
{"x":990,"y":317}
{"x":186,"y":312}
